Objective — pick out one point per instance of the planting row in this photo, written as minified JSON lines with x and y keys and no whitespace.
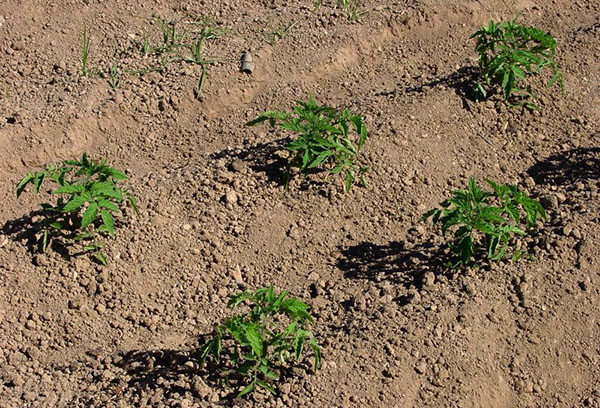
{"x":248,"y":350}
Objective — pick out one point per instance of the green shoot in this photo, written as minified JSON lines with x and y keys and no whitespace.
{"x":508,"y":55}
{"x":113,"y":76}
{"x":249,"y":349}
{"x":146,"y":46}
{"x":352,"y":9}
{"x":486,"y":222}
{"x":280,"y":32}
{"x":324,"y":140}
{"x":85,"y":51}
{"x":88,"y":196}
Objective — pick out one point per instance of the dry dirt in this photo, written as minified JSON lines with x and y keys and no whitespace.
{"x":398,"y":330}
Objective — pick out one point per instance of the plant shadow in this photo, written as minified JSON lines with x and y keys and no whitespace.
{"x":175,"y":373}
{"x":266,"y":158}
{"x":395,"y":262}
{"x":271,"y":159}
{"x":151,"y":370}
{"x":461,"y":81}
{"x":568,"y":167}
{"x":28,"y":229}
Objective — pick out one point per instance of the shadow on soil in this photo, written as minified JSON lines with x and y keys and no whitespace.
{"x":28,"y":229}
{"x":157,"y":369}
{"x":271,"y":160}
{"x":262,"y":158}
{"x":395,"y":262}
{"x":461,"y":81}
{"x":568,"y":167}
{"x":164,"y":370}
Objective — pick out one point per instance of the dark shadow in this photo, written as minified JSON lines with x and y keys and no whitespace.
{"x":270,"y":159}
{"x":158,"y":369}
{"x":568,"y":167}
{"x":461,"y":81}
{"x":26,"y":228}
{"x":592,"y":28}
{"x":29,"y":229}
{"x":164,"y":370}
{"x":261,"y":158}
{"x":395,"y":262}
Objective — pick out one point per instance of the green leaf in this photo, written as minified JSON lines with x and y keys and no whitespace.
{"x":320,"y":159}
{"x":105,"y":189}
{"x":57,"y":225}
{"x":133,"y":202}
{"x":39,"y":179}
{"x":116,"y":174}
{"x":45,"y":240}
{"x":246,"y":390}
{"x":268,"y":372}
{"x":254,"y":339}
{"x":84,"y":235}
{"x":101,"y":258}
{"x":24,"y":182}
{"x":349,"y":179}
{"x":109,"y":205}
{"x":266,"y":386}
{"x":89,"y":215}
{"x":74,"y":203}
{"x":70,"y":189}
{"x":317,"y":352}
{"x":299,"y":343}
{"x":108,"y":221}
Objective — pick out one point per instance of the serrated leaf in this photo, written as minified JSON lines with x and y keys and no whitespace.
{"x":101,"y":258}
{"x":246,"y":390}
{"x":109,"y":205}
{"x":320,"y":159}
{"x":116,"y":174}
{"x":254,"y":339}
{"x":108,"y":220}
{"x":24,"y":182}
{"x":74,"y":203}
{"x":89,"y":215}
{"x":266,"y":386}
{"x":104,"y":189}
{"x":70,"y":189}
{"x":270,"y":374}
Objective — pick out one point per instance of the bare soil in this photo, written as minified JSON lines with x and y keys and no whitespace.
{"x":398,"y":329}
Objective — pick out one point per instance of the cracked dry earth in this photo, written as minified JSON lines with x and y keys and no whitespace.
{"x":397,"y":329}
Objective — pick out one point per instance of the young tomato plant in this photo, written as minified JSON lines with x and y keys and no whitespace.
{"x":88,"y":197}
{"x":485,"y":221}
{"x":250,"y":348}
{"x":324,"y":141}
{"x":509,"y":54}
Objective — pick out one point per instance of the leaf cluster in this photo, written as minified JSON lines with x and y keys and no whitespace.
{"x":251,"y":347}
{"x":326,"y":140}
{"x":509,"y":54}
{"x":486,"y":221}
{"x":87,"y":197}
